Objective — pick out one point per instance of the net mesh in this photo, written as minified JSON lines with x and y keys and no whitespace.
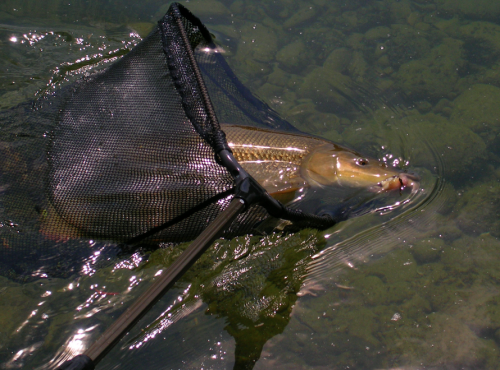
{"x":128,"y":151}
{"x":125,"y":158}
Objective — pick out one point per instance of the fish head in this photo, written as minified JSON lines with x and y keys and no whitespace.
{"x":333,"y":165}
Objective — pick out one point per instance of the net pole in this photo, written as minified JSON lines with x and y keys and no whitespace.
{"x":142,"y":304}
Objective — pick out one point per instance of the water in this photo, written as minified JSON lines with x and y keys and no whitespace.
{"x":411,"y":287}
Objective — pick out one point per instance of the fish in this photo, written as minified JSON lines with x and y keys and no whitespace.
{"x":288,"y":162}
{"x":152,"y":190}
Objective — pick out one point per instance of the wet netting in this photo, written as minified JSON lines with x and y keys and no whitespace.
{"x":134,"y":153}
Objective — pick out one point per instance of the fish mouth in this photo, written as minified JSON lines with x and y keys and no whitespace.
{"x":408,"y":179}
{"x":399,"y":182}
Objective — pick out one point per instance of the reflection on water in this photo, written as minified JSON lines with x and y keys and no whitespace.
{"x":45,"y":57}
{"x":414,"y":284}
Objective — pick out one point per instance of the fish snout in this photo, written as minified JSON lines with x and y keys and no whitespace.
{"x":400,"y":181}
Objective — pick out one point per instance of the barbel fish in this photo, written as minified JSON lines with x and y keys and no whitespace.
{"x":286,"y":162}
{"x":283,"y":163}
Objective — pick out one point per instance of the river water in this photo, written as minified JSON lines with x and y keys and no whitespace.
{"x":414,"y":285}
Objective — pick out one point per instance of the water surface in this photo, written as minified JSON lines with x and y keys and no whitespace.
{"x":414,"y":285}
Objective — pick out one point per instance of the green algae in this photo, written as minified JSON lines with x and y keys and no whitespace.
{"x":251,"y":281}
{"x":15,"y":307}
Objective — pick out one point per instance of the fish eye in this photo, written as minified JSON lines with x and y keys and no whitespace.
{"x":362,"y":162}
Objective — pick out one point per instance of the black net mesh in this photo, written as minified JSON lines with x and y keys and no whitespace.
{"x":131,"y":151}
{"x":125,"y":158}
{"x":232,"y":101}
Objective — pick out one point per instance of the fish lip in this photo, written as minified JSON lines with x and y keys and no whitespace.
{"x":405,"y":180}
{"x":410,"y":175}
{"x":409,"y":180}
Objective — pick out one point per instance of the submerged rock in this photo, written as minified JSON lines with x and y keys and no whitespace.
{"x":397,"y":267}
{"x":380,"y":33}
{"x":485,"y":34}
{"x":427,"y":250}
{"x":461,"y":150}
{"x":435,"y":75}
{"x":303,"y":15}
{"x":330,"y":89}
{"x":293,"y":56}
{"x":484,"y":9}
{"x":455,"y":343}
{"x":257,"y":46}
{"x":477,"y":109}
{"x":338,"y":60}
{"x":479,"y":209}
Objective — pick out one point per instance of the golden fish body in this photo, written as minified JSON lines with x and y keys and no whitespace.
{"x":285,"y":162}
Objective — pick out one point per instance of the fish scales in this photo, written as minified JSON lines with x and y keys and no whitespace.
{"x":273,"y":158}
{"x":250,"y":143}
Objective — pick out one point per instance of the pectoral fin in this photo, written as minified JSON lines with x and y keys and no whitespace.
{"x":286,"y":192}
{"x":281,"y":179}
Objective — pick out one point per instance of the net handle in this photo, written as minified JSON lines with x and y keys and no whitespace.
{"x":134,"y":313}
{"x":247,"y":192}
